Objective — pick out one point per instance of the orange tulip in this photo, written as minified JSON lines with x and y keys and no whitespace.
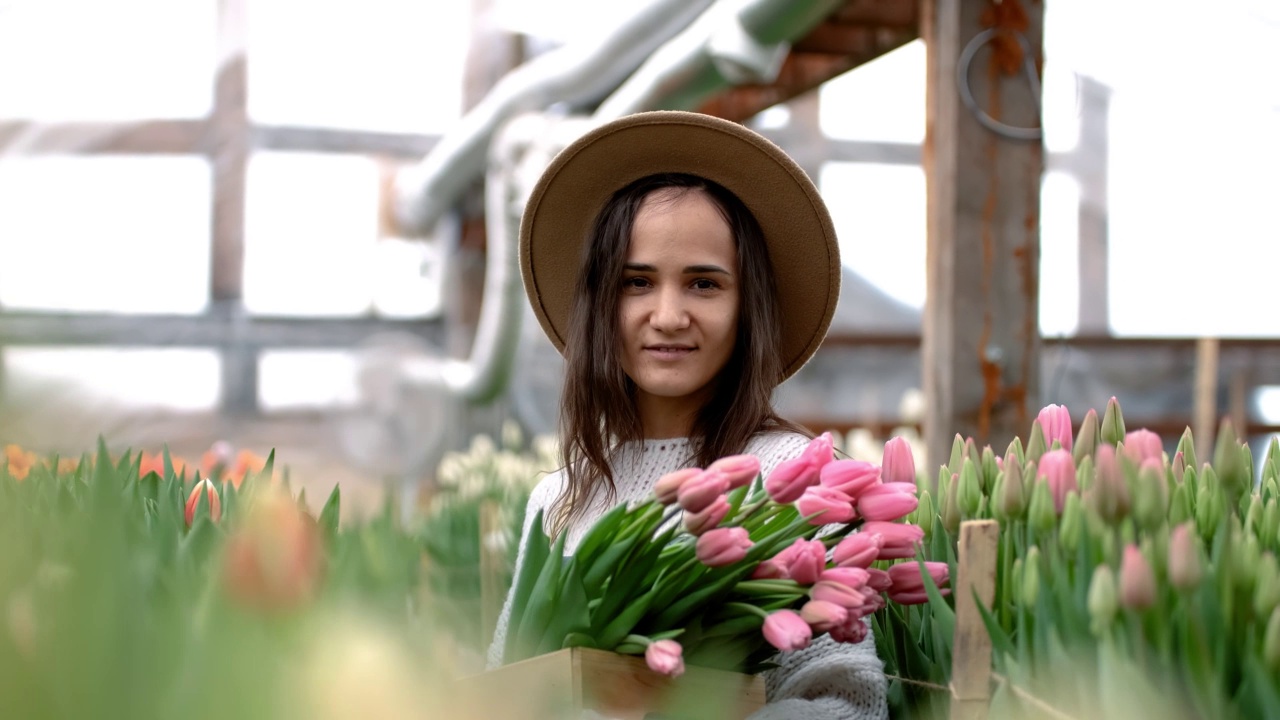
{"x":193,"y":501}
{"x":19,"y":461}
{"x":275,"y":561}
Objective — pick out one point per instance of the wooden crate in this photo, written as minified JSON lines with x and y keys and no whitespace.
{"x":568,"y":682}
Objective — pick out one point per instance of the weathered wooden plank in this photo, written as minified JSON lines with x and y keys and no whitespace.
{"x":971,"y":655}
{"x":229,"y":151}
{"x":981,"y":338}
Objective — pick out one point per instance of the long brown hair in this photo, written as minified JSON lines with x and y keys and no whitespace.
{"x":597,"y":407}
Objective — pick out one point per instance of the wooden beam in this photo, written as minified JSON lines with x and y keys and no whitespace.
{"x":981,"y":337}
{"x":803,"y":71}
{"x":172,"y":137}
{"x":216,"y":329}
{"x":904,"y":14}
{"x":229,"y":148}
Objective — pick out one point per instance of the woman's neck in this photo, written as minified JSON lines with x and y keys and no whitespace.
{"x":663,"y":418}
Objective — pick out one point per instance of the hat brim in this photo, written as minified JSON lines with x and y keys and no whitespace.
{"x":797,"y":228}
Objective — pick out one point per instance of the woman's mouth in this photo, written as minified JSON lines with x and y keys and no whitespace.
{"x":668,"y":352}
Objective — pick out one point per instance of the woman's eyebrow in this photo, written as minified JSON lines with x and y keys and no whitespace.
{"x":702,"y":269}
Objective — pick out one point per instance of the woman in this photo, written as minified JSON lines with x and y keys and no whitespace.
{"x":684,"y":266}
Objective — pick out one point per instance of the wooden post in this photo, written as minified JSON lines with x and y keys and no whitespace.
{"x":492,"y":559}
{"x":980,"y":349}
{"x":971,"y":655}
{"x":1204,"y":417}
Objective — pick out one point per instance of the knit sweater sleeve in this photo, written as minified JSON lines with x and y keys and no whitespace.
{"x":540,"y":499}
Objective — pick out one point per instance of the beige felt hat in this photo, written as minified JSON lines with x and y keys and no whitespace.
{"x":581,"y":179}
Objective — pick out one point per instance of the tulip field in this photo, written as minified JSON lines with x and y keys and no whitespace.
{"x":1133,"y":579}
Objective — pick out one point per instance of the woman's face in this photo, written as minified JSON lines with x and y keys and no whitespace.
{"x":678,"y":308}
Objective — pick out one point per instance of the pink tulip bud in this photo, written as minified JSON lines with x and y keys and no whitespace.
{"x":899,"y":464}
{"x":790,"y":479}
{"x":193,"y":502}
{"x":1059,"y":469}
{"x":769,"y":570}
{"x":908,"y":584}
{"x":1137,"y":581}
{"x":1185,"y":569}
{"x":803,"y":561}
{"x":698,"y":492}
{"x":872,"y":600}
{"x":838,"y":593}
{"x":787,"y":631}
{"x":1055,"y":423}
{"x":850,"y":477}
{"x":854,"y":577}
{"x":668,"y":486}
{"x":853,"y":631}
{"x":858,"y":550}
{"x":822,"y":615}
{"x":819,"y":451}
{"x":1142,"y":444}
{"x":1109,"y":495}
{"x":900,"y":539}
{"x":831,"y":506}
{"x":665,"y":657}
{"x":722,"y":546}
{"x":886,"y":503}
{"x":708,"y":517}
{"x":878,"y":580}
{"x":739,"y":469}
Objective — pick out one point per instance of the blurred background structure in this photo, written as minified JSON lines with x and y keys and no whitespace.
{"x":290,"y":225}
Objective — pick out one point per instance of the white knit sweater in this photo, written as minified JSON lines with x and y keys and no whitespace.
{"x":826,"y":681}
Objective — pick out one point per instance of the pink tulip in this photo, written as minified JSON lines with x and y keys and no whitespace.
{"x":1055,"y":423}
{"x":908,"y":584}
{"x":854,"y":577}
{"x":787,"y":631}
{"x":1140,"y":445}
{"x":803,"y":561}
{"x":858,"y":550}
{"x":739,"y":469}
{"x":708,"y":517}
{"x":698,"y":492}
{"x":1185,"y":569}
{"x":769,"y":570}
{"x":831,"y":506}
{"x":899,"y":464}
{"x":853,"y":631}
{"x":878,"y":580}
{"x":722,"y":546}
{"x":838,"y":593}
{"x":819,"y":451}
{"x":850,"y":477}
{"x":790,"y":479}
{"x":1059,"y":469}
{"x":900,"y":539}
{"x":886,"y":503}
{"x":669,"y":485}
{"x":1137,"y":581}
{"x":872,"y":600}
{"x":822,"y":615}
{"x":665,"y":657}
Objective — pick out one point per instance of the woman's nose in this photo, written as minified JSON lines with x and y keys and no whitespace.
{"x":669,"y":312}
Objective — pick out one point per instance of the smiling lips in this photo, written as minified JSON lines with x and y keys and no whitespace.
{"x":668,"y":352}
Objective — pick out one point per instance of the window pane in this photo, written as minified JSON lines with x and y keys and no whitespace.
{"x":112,"y":234}
{"x":374,"y":64}
{"x":118,"y":60}
{"x":1059,"y":254}
{"x":310,"y":226}
{"x":879,"y":214}
{"x":881,"y":100}
{"x":126,"y":378}
{"x":302,"y":379}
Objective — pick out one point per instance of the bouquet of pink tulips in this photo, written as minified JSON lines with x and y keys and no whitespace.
{"x":723,"y":568}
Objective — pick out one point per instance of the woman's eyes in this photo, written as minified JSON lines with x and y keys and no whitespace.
{"x":702,"y":284}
